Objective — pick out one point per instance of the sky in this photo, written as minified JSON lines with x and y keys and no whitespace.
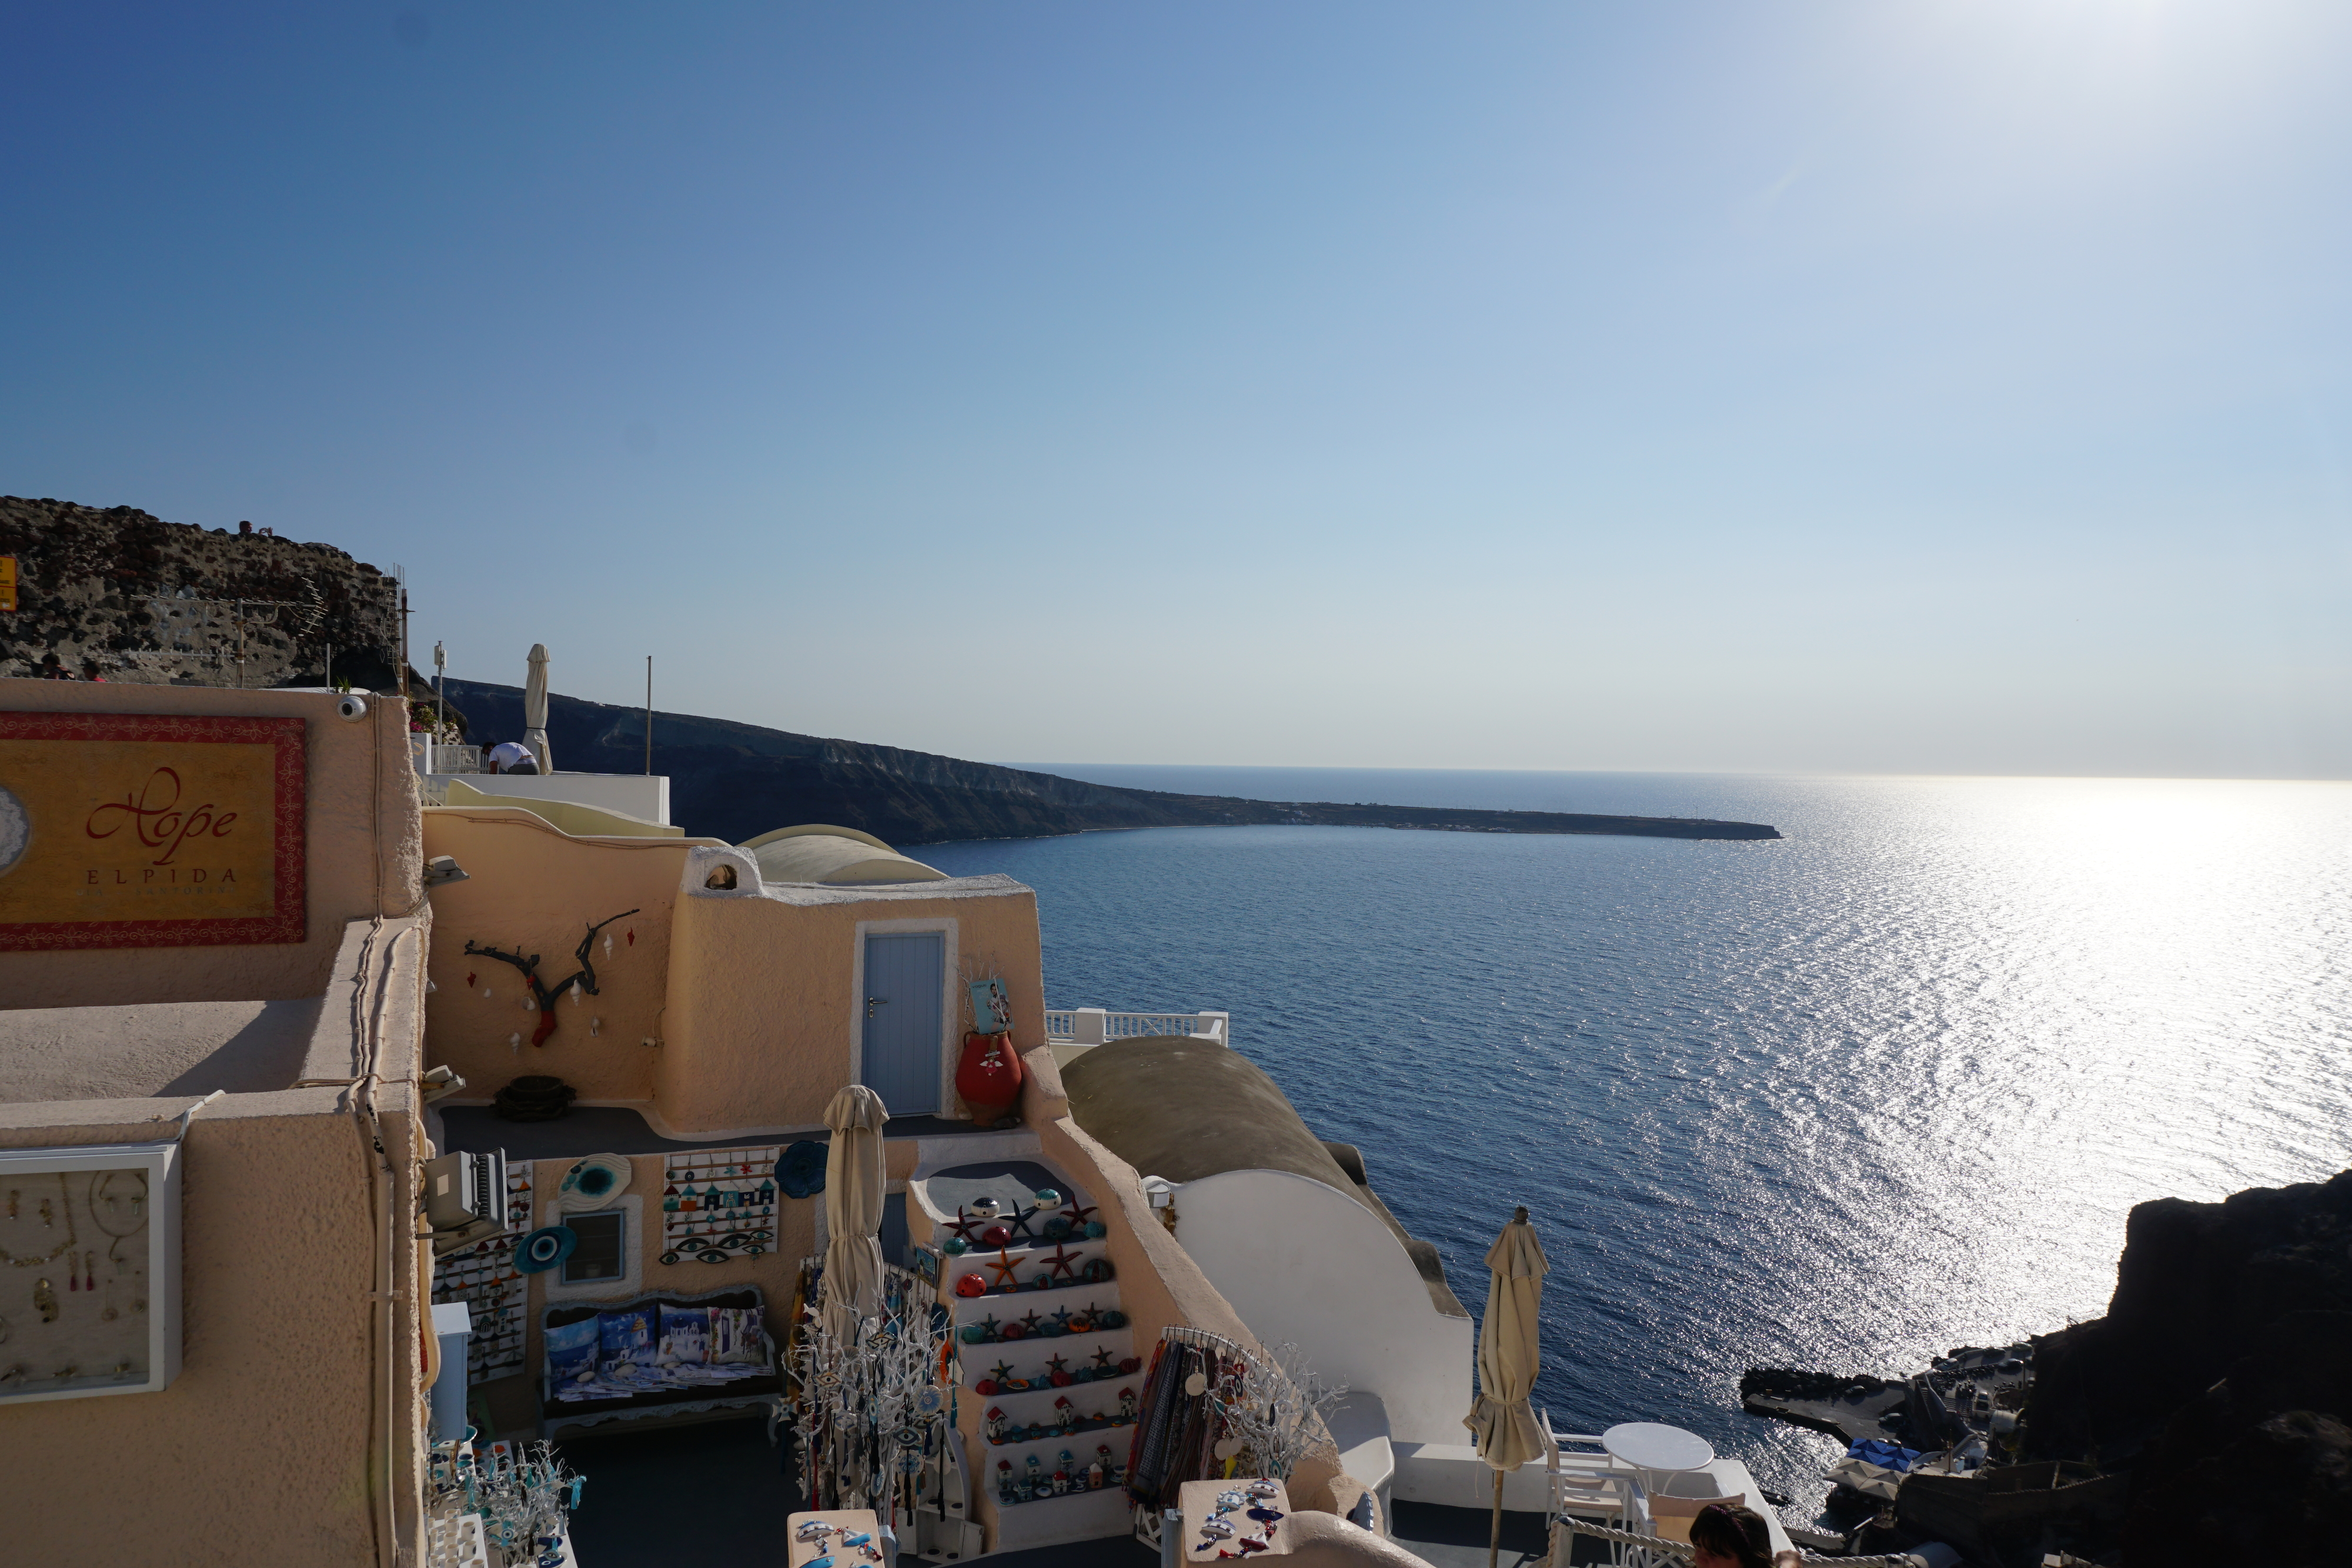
{"x":1912,"y":388}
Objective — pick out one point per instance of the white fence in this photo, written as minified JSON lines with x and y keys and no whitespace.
{"x":1096,"y":1026}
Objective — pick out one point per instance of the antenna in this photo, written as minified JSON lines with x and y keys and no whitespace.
{"x":649,"y":715}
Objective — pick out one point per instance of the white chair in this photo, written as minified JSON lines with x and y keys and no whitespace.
{"x":1590,"y":1487}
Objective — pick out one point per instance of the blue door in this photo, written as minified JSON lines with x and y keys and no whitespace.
{"x":904,"y":972}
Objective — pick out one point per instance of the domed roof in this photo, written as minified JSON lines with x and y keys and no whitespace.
{"x":834,"y":857}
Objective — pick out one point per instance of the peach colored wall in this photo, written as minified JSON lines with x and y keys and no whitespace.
{"x":363,"y":799}
{"x":533,"y":887}
{"x":761,"y":1024}
{"x":258,"y":1454}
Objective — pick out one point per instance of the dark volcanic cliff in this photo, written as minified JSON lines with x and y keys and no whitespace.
{"x":732,"y":780}
{"x":2222,"y":1375}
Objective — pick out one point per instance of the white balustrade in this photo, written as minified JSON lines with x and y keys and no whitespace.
{"x":1099,"y":1026}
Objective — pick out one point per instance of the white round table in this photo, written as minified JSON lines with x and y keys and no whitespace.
{"x":1657,"y":1449}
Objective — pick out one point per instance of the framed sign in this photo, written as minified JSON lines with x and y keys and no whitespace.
{"x":148,"y":830}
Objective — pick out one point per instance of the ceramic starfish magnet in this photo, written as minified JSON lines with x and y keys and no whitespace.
{"x":1062,"y":1265}
{"x":1020,"y":1219}
{"x":1077,"y":1213}
{"x":966,"y":1225}
{"x":1105,"y":1360}
{"x":1003,"y":1268}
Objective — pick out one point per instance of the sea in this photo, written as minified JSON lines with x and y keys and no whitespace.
{"x":1845,"y":1100}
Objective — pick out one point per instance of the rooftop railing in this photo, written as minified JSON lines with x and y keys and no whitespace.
{"x":1099,"y":1026}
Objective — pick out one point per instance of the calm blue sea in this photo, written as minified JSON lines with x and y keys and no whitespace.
{"x":1845,"y":1101}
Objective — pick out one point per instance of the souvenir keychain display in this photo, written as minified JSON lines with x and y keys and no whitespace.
{"x":483,"y":1277}
{"x":718,"y":1204}
{"x":520,"y":1495}
{"x":871,"y":1415}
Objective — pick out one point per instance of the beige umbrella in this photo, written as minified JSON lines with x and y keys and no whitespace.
{"x":534,"y":708}
{"x":853,"y":1210}
{"x":1501,"y":1423}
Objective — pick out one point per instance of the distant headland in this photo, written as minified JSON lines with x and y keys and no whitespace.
{"x":731,"y":780}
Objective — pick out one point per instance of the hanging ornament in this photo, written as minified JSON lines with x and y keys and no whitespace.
{"x":608,"y":944}
{"x":632,"y":935}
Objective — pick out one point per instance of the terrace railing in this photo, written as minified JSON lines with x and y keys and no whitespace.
{"x":1099,"y":1026}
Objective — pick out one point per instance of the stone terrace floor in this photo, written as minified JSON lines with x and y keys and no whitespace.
{"x":717,"y":1494}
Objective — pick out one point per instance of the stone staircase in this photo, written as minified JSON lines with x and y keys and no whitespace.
{"x":1071,"y":1375}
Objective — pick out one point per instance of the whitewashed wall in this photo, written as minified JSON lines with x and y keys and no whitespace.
{"x":1305,"y":1263}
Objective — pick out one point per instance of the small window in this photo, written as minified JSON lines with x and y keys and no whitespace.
{"x":599,"y":1255}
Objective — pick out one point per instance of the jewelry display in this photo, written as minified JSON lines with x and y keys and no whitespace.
{"x":518,"y":1498}
{"x":49,"y":1222}
{"x":871,"y":1414}
{"x":485,"y":1277}
{"x":76,"y":1337}
{"x":718,"y":1204}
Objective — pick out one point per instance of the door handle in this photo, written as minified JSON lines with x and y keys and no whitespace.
{"x":873,"y":1002}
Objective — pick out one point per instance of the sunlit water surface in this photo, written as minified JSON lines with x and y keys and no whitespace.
{"x":1843,"y":1101}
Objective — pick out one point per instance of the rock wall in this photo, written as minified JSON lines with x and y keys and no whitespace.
{"x":122,"y":594}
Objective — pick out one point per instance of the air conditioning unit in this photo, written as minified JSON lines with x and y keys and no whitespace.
{"x":465,"y":1198}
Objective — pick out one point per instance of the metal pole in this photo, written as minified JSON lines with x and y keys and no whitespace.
{"x":1494,"y":1539}
{"x":649,"y":715}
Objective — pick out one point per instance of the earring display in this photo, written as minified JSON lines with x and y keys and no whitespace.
{"x":90,"y":1271}
{"x":718,"y":1204}
{"x":485,"y":1277}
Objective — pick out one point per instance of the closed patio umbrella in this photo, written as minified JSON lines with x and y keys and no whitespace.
{"x":853,"y":1210}
{"x":534,"y":708}
{"x":1502,"y":1424}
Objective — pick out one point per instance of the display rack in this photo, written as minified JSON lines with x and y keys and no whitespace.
{"x":90,"y":1271}
{"x":719,"y":1203}
{"x":483,"y":1277}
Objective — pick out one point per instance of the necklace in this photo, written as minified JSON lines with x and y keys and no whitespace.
{"x":54,"y":1253}
{"x":99,"y":1194}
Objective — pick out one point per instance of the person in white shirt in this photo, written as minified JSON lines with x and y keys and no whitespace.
{"x":512,"y":756}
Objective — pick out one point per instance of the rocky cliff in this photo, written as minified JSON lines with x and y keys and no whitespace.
{"x":122,"y":594}
{"x":2222,"y":1375}
{"x":733,"y":781}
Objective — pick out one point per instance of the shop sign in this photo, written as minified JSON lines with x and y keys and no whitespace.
{"x":150,"y":831}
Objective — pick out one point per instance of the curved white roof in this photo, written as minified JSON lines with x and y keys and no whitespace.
{"x":834,"y":857}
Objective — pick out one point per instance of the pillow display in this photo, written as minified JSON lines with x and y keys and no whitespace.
{"x":735,"y":1336}
{"x":571,"y":1351}
{"x":684,"y":1335}
{"x":629,"y":1337}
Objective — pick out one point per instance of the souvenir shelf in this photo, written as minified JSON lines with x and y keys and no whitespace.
{"x":718,"y":1204}
{"x":483,"y":1277}
{"x":90,"y":1271}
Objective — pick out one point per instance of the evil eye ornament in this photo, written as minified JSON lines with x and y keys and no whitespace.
{"x":1263,"y":1489}
{"x":813,"y":1530}
{"x":1216,"y":1530}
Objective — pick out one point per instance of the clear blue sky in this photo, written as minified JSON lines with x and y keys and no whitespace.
{"x":1934,"y":387}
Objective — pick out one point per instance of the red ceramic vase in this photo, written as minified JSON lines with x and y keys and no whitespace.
{"x":989,"y":1077}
